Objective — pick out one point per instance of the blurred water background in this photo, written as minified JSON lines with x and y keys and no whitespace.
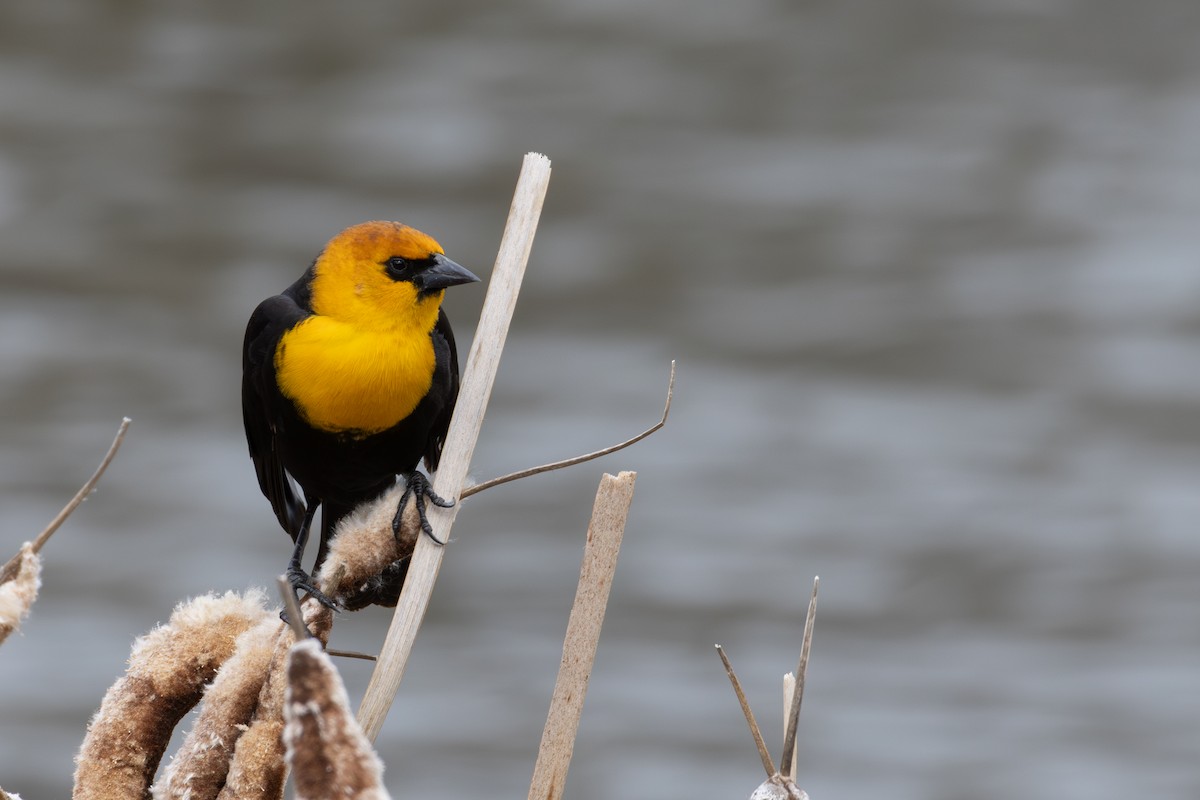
{"x":931,"y":271}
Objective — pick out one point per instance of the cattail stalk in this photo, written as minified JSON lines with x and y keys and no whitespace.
{"x":478,"y":377}
{"x":583,"y":634}
{"x":257,"y":770}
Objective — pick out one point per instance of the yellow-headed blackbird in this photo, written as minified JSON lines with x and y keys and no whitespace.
{"x":349,"y":378}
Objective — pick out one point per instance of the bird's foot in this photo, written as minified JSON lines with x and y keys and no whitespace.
{"x":301,"y":581}
{"x":418,"y":487}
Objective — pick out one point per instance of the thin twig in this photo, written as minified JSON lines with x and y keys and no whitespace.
{"x":478,"y":378}
{"x":292,"y":607}
{"x":70,"y":507}
{"x":349,"y":654}
{"x":755,"y":731}
{"x":85,"y":490}
{"x":600,"y":552}
{"x":570,"y":462}
{"x":786,"y":767}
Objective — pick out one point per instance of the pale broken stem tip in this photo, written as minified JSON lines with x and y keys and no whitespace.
{"x":755,"y":731}
{"x":787,"y":767}
{"x":292,"y":607}
{"x":570,"y":462}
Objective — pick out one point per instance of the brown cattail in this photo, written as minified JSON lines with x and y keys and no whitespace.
{"x":18,"y":593}
{"x":326,"y":749}
{"x":168,"y":669}
{"x":257,"y":770}
{"x":200,"y":769}
{"x":367,"y":562}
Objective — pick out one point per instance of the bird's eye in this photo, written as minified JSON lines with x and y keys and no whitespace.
{"x":399,"y":268}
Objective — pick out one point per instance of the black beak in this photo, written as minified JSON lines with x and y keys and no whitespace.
{"x":443,"y":273}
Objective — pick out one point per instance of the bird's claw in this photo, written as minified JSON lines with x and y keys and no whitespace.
{"x":418,"y":487}
{"x":301,"y":581}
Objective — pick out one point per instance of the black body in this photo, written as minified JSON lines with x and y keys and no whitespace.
{"x":337,"y":470}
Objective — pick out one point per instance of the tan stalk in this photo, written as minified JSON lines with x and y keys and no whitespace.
{"x":478,"y":378}
{"x":583,"y":634}
{"x":755,"y":731}
{"x":787,"y":767}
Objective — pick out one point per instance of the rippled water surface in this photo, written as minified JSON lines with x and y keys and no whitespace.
{"x":931,"y":271}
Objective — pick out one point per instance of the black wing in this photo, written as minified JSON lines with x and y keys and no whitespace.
{"x":261,"y":403}
{"x":448,"y":368}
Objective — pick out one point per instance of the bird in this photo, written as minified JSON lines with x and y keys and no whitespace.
{"x":349,"y":379}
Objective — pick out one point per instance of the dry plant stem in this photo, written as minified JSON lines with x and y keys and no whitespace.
{"x":292,"y":606}
{"x":335,"y":653}
{"x":583,"y":633}
{"x":570,"y":462}
{"x":787,"y":767}
{"x":755,"y":731}
{"x":70,"y":507}
{"x":478,"y":377}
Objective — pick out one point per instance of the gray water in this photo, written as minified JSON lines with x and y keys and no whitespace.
{"x":931,"y":271}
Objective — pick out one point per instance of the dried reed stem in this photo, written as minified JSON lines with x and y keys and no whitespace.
{"x":786,"y":766}
{"x":10,"y":568}
{"x":583,"y":633}
{"x":292,"y":606}
{"x":478,"y":377}
{"x":570,"y":462}
{"x":755,"y":731}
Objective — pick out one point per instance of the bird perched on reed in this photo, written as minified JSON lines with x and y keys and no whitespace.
{"x":349,"y":378}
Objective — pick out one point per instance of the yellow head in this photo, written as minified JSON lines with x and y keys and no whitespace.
{"x":383,"y":275}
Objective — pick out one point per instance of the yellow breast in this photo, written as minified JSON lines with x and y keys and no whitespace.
{"x":345,"y":379}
